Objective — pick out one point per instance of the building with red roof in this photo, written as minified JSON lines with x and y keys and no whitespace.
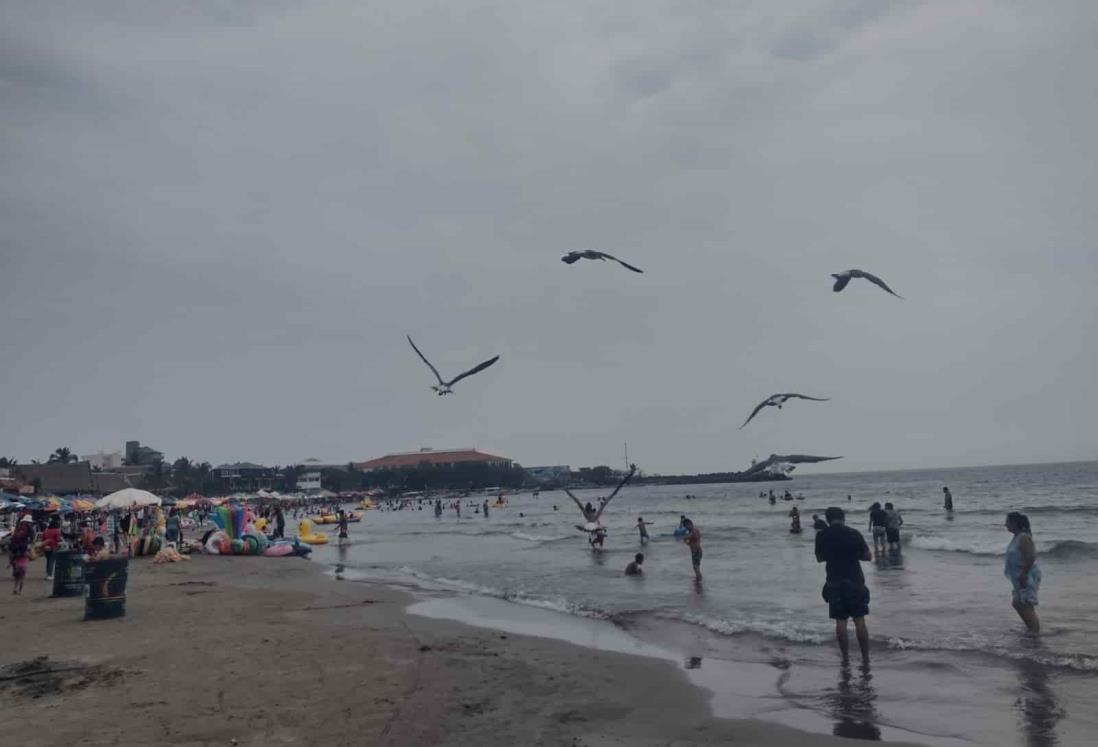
{"x":433,"y":458}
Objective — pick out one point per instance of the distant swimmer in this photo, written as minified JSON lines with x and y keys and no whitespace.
{"x":948,"y":499}
{"x":842,"y":278}
{"x":818,"y":523}
{"x":777,"y":400}
{"x":642,"y":527}
{"x":693,"y":538}
{"x":1021,"y":568}
{"x":573,"y":257}
{"x":843,"y":549}
{"x":634,"y":568}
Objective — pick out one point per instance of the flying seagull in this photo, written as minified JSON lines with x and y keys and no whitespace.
{"x":791,"y":458}
{"x":572,"y":257}
{"x":777,"y":400}
{"x":842,"y":278}
{"x":447,"y":387}
{"x":592,"y":516}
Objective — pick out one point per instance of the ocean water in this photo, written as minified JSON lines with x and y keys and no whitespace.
{"x":951,"y":663}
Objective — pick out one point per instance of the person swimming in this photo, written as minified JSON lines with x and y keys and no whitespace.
{"x":634,"y":568}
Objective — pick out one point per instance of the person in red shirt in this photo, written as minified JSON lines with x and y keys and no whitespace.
{"x":51,"y":540}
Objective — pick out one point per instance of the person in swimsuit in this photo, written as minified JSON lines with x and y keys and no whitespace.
{"x":948,"y":499}
{"x":642,"y":527}
{"x":634,"y":568}
{"x":1021,"y":568}
{"x":342,"y":524}
{"x":693,"y":538}
{"x":818,"y":523}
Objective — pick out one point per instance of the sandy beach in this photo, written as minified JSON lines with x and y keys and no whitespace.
{"x":254,"y":651}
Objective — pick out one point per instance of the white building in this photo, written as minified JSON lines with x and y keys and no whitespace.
{"x":105,"y":460}
{"x":307,"y":481}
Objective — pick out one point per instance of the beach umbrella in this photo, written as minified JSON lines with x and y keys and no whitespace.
{"x":128,"y":498}
{"x":82,"y":505}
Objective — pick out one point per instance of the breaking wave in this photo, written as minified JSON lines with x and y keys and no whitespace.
{"x":1056,"y":549}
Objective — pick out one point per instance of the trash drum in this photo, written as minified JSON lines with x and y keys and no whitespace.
{"x":68,"y":573}
{"x":105,"y":588}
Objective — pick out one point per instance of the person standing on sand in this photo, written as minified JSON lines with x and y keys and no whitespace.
{"x":19,"y":552}
{"x":693,"y":538}
{"x":485,"y":508}
{"x":51,"y":540}
{"x":280,"y":523}
{"x":642,"y":527}
{"x":438,"y":508}
{"x":1021,"y":568}
{"x":948,"y":500}
{"x":843,"y":549}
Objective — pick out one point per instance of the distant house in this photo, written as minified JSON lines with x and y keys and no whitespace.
{"x":556,"y":474}
{"x":71,"y":478}
{"x":309,"y":482}
{"x":105,"y":461}
{"x":138,"y":454}
{"x":433,"y":458}
{"x":246,"y":475}
{"x":242,"y":470}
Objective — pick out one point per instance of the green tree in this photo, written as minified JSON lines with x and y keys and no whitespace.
{"x":62,"y":455}
{"x":6,"y":462}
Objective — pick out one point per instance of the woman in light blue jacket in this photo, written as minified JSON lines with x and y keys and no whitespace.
{"x":1021,"y":568}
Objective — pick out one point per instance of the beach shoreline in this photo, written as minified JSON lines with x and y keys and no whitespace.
{"x":278,"y":652}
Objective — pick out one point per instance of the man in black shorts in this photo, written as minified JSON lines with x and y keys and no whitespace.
{"x":843,"y":549}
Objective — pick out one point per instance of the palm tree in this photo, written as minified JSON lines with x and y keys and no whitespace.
{"x":63,"y":455}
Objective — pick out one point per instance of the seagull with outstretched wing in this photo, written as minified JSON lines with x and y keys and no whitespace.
{"x":790,"y":458}
{"x":842,"y":278}
{"x":573,"y":257}
{"x":777,"y":400}
{"x":592,"y":516}
{"x":447,"y":387}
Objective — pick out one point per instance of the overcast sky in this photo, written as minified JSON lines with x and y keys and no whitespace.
{"x":219,"y":220}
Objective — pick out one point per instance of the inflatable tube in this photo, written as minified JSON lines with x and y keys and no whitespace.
{"x":305,"y":534}
{"x":325,"y":519}
{"x":278,"y":550}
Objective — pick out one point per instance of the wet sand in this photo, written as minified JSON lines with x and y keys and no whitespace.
{"x":273,"y":651}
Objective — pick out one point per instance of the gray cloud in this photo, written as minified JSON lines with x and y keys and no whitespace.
{"x":215,"y":230}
